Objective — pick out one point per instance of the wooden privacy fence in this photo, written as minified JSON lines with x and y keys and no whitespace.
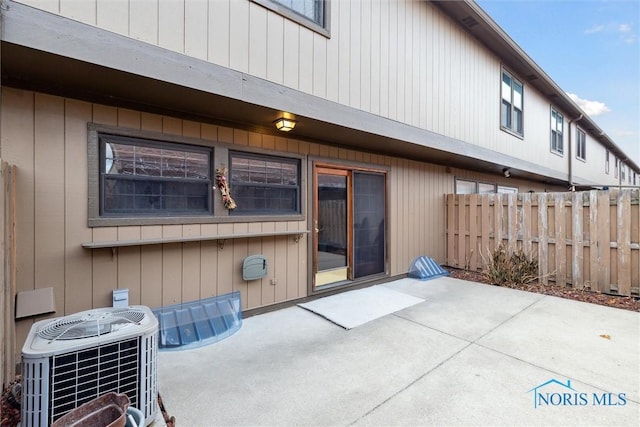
{"x":585,"y":240}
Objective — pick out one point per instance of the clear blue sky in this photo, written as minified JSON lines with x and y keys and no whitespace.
{"x":590,"y":48}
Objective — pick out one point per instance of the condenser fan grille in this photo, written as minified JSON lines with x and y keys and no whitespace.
{"x":90,"y":323}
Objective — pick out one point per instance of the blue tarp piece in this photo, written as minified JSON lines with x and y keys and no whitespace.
{"x":198,"y":323}
{"x":425,"y":268}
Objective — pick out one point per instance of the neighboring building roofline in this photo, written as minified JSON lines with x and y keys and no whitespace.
{"x":470,"y":16}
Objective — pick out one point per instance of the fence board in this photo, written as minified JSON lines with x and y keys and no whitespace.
{"x":543,"y":246}
{"x":560,"y":248}
{"x":497,"y":220}
{"x":577,"y":238}
{"x":473,"y":233}
{"x":462,"y":225}
{"x":604,"y":233}
{"x":594,"y":247}
{"x":572,"y":233}
{"x":624,"y":243}
{"x":512,"y":225}
{"x":451,"y":226}
{"x":526,"y":223}
{"x":484,"y":209}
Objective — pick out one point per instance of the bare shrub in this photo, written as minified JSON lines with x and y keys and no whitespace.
{"x":510,"y":269}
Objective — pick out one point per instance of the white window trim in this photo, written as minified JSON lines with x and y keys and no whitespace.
{"x":551,"y":131}
{"x":582,"y":157}
{"x":506,"y":128}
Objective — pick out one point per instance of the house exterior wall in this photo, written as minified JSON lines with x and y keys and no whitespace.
{"x":404,"y":60}
{"x":413,"y":65}
{"x":45,"y":137}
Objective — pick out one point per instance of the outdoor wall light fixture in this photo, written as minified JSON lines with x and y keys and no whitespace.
{"x":506,"y":172}
{"x":284,"y":124}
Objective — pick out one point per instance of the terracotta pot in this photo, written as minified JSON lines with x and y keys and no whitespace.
{"x":108,"y":410}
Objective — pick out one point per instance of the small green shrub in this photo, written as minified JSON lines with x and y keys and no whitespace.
{"x":512,"y":270}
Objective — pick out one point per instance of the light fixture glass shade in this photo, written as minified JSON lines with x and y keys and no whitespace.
{"x":285,"y":125}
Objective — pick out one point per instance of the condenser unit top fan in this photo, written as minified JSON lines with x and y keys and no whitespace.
{"x":90,"y":323}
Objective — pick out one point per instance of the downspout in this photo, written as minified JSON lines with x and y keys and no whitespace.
{"x":570,"y":153}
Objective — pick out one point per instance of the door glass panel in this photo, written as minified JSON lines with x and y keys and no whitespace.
{"x":368,"y":223}
{"x":332,"y":222}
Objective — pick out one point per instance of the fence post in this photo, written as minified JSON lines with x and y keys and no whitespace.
{"x":7,"y":272}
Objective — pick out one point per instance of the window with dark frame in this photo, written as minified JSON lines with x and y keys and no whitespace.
{"x":581,"y":145}
{"x":616,"y":168}
{"x":264,"y":184}
{"x":557,"y":129}
{"x":147,"y":178}
{"x":511,"y":110}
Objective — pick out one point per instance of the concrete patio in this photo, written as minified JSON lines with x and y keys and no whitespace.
{"x":471,"y":354}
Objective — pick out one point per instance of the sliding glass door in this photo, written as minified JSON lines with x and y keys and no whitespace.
{"x":349,"y":224}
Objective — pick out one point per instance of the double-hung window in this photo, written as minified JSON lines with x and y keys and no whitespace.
{"x":616,"y":168}
{"x":142,"y":178}
{"x":511,"y":116}
{"x":557,"y":127}
{"x":606,"y":163}
{"x":264,"y":185}
{"x":581,"y":145}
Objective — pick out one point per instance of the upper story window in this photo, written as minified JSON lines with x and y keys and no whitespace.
{"x":151,"y":178}
{"x":622,"y":171}
{"x":616,"y":168}
{"x":581,"y":145}
{"x":557,"y":127}
{"x":606,"y":162}
{"x":309,"y":13}
{"x":511,"y":116}
{"x":264,"y":185}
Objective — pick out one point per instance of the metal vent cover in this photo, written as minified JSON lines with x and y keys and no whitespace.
{"x":90,"y":323}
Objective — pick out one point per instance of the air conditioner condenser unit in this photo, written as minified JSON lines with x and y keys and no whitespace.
{"x":74,"y":359}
